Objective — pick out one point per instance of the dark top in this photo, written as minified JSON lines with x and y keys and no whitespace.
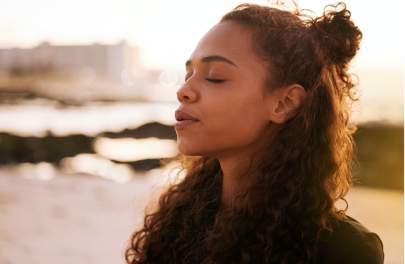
{"x":351,"y":243}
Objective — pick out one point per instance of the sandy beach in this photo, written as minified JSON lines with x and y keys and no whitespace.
{"x":85,"y":219}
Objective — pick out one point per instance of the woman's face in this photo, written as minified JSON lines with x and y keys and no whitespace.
{"x":224,"y":89}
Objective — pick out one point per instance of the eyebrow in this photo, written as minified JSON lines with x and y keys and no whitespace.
{"x":214,"y":58}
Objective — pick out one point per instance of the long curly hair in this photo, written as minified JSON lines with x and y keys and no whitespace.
{"x":289,"y":204}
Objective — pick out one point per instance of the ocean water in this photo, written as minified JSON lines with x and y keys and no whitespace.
{"x":36,"y":117}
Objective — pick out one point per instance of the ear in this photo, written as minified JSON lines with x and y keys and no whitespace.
{"x":285,"y":102}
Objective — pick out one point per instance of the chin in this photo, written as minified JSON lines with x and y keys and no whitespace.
{"x":187,"y":149}
{"x":189,"y":152}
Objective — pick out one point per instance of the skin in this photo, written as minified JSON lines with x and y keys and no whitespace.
{"x":235,"y":115}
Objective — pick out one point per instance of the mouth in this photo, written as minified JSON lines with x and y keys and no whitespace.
{"x":184,"y":120}
{"x":184,"y":116}
{"x":182,"y":124}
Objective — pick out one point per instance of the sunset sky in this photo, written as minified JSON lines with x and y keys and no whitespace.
{"x":167,"y":31}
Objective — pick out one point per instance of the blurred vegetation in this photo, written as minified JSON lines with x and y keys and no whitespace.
{"x":379,"y":150}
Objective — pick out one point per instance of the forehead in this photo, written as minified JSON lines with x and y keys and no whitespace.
{"x":230,"y":40}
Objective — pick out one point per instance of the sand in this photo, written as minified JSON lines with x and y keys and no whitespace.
{"x":69,"y":219}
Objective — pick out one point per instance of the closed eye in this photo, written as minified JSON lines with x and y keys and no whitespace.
{"x":215,"y":80}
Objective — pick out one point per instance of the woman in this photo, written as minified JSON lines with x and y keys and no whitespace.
{"x":263,"y":129}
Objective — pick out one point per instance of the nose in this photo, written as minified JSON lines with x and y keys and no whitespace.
{"x":186,"y":94}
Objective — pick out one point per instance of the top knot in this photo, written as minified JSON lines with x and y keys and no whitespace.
{"x":337,"y":35}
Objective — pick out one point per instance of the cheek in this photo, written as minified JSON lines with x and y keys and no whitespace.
{"x":237,"y":128}
{"x":235,"y":122}
{"x":230,"y":121}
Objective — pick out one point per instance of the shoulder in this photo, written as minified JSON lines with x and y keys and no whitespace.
{"x":350,"y":242}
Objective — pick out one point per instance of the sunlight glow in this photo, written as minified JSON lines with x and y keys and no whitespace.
{"x":129,"y":149}
{"x":98,"y":166}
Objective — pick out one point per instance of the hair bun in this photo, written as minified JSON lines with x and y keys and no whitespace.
{"x":338,"y":36}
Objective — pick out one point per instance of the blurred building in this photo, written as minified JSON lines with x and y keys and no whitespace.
{"x":84,"y":72}
{"x":111,"y":61}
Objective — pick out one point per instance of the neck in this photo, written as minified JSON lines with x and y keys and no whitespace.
{"x":235,"y":176}
{"x":236,"y":164}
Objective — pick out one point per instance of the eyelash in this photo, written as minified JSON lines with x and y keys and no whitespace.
{"x":215,"y":80}
{"x":210,"y":80}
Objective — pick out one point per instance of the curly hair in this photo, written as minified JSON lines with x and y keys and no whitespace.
{"x":290,"y":202}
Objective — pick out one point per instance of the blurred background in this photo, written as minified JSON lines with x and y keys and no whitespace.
{"x":87,"y":101}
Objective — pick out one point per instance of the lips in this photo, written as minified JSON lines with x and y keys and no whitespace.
{"x":184,"y":120}
{"x":182,"y":115}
